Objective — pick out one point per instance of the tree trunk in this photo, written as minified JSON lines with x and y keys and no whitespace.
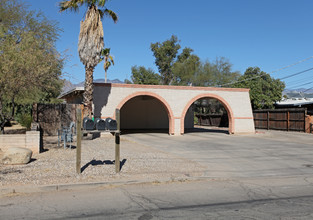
{"x":2,"y":119}
{"x":13,"y":107}
{"x":88,"y":94}
{"x":105,"y":68}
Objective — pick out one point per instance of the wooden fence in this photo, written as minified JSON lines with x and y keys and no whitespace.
{"x":281,"y":119}
{"x":52,"y":117}
{"x":218,"y":120}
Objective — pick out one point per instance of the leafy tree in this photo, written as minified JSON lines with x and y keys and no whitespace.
{"x":127,"y":81}
{"x":90,"y":43}
{"x":216,"y":73}
{"x":264,"y":90}
{"x":108,"y":61}
{"x":165,"y":54}
{"x":141,"y":75}
{"x":189,"y":70}
{"x":30,"y":66}
{"x":186,"y":68}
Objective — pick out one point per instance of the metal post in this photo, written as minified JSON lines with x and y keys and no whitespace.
{"x":79,"y":138}
{"x":117,"y":142}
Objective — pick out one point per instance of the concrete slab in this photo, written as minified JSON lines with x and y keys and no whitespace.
{"x":266,"y":153}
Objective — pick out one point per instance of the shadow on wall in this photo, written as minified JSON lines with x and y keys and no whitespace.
{"x":100,"y":98}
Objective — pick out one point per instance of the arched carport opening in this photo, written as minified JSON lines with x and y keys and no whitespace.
{"x":145,"y":112}
{"x":207,"y":111}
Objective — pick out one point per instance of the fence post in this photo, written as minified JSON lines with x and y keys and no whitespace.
{"x":304,"y":123}
{"x":288,"y":120}
{"x":268,"y":120}
{"x":79,"y":138}
{"x":117,"y":142}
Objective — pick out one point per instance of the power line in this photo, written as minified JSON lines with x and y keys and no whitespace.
{"x":298,"y":81}
{"x":301,"y":85}
{"x":307,"y":90}
{"x":286,"y":77}
{"x":301,"y":61}
{"x":295,"y":74}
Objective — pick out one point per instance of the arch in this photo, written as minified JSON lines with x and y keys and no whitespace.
{"x":161,"y":100}
{"x":209,"y":95}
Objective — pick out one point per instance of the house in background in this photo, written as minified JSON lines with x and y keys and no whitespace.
{"x":296,"y":103}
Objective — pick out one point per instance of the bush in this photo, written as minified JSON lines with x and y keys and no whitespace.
{"x":25,"y":119}
{"x":195,"y":120}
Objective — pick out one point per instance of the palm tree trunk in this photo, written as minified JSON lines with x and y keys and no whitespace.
{"x":105,"y":68}
{"x":88,"y":94}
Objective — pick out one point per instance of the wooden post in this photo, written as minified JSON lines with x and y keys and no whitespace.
{"x":268,"y":120}
{"x":117,"y":142}
{"x":305,"y":113}
{"x":288,"y":120}
{"x":79,"y":138}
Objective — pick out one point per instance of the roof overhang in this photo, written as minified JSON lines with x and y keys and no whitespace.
{"x":72,"y":92}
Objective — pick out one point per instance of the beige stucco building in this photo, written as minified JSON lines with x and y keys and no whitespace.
{"x":165,"y":107}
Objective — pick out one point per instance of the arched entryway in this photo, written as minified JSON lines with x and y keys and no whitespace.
{"x":187,"y":114}
{"x":145,"y":111}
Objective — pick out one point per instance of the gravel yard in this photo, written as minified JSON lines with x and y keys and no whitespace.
{"x":57,"y":165}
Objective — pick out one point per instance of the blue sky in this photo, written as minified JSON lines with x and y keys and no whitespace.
{"x":270,"y":34}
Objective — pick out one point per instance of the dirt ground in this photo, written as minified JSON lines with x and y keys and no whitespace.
{"x":57,"y":165}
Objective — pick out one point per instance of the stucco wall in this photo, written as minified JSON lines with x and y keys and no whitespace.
{"x":30,"y":140}
{"x":176,"y":101}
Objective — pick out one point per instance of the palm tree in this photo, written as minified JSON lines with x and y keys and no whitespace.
{"x":90,"y":42}
{"x":108,"y":61}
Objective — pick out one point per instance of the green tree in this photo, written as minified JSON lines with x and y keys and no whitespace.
{"x":141,"y":75}
{"x":108,"y":61}
{"x":216,"y":73}
{"x":30,"y":66}
{"x":90,"y":43}
{"x":264,"y":90}
{"x":186,"y":68}
{"x":165,"y":54}
{"x":189,"y":70}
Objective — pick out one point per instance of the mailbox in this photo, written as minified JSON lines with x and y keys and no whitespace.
{"x":88,"y":124}
{"x":100,"y":124}
{"x":111,"y":124}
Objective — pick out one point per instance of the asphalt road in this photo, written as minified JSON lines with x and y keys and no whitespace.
{"x":190,"y":200}
{"x":263,"y":176}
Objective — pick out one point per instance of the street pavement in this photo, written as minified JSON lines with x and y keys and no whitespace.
{"x":208,"y":199}
{"x":268,"y":175}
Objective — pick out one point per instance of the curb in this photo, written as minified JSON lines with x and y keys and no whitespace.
{"x":77,"y":186}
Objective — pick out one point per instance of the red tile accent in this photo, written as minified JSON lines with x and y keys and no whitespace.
{"x":171,"y":87}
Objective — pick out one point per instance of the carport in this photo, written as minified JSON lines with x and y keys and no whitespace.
{"x":167,"y":107}
{"x":144,"y":112}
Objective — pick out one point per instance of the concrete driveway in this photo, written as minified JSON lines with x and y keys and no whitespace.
{"x":264,"y":154}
